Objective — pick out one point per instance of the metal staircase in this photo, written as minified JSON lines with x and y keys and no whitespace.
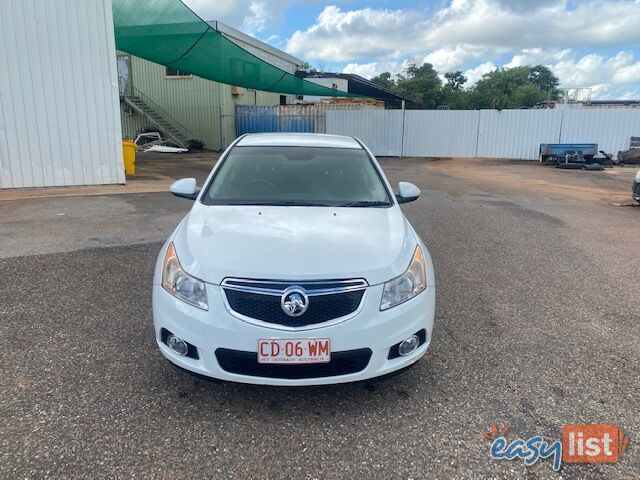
{"x":173,"y":131}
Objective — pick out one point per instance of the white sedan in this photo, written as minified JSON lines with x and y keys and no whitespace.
{"x":295,"y":266}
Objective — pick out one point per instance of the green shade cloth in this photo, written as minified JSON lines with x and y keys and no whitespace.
{"x":169,"y":33}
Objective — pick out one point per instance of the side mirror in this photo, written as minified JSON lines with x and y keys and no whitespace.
{"x":407,"y":192}
{"x":184,"y":188}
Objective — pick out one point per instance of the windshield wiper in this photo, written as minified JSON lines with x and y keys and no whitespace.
{"x":365,"y":203}
{"x":281,"y":203}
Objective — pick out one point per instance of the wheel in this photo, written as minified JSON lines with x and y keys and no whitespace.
{"x":594,"y":167}
{"x":570,"y":166}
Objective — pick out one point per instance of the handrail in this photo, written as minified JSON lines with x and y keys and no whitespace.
{"x":136,"y":92}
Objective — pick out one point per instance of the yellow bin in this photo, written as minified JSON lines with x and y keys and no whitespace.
{"x":129,"y":155}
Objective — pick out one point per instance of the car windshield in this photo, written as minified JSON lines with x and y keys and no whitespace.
{"x":311,"y":176}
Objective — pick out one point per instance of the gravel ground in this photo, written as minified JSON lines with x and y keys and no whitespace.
{"x":537,"y":326}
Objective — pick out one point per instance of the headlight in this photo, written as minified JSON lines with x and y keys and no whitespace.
{"x":407,"y":285}
{"x":180,"y":284}
{"x":638,"y":176}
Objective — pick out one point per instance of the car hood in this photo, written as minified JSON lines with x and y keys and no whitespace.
{"x":294,"y":243}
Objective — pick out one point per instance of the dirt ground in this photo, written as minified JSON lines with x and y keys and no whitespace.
{"x":611,"y":185}
{"x":156,"y":171}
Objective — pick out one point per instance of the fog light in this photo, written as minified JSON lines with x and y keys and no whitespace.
{"x":178,"y":345}
{"x":408,"y":345}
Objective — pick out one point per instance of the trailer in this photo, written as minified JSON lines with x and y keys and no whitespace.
{"x":569,"y":155}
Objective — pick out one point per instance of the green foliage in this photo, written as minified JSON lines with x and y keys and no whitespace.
{"x":544,"y":79}
{"x":515,"y":87}
{"x":306,"y":66}
{"x":527,"y":95}
{"x":455,"y":80}
{"x":421,"y":82}
{"x":384,"y":80}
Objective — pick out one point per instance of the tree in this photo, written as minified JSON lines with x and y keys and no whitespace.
{"x":516,"y":87}
{"x":545,"y":80}
{"x":455,"y":80}
{"x":384,"y":80}
{"x":306,"y":67}
{"x":527,"y":96}
{"x":492,"y":91}
{"x":421,"y":83}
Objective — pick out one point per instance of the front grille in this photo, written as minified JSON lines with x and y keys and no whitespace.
{"x":327,"y":300}
{"x":246,"y":363}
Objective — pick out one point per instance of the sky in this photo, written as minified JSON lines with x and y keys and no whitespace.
{"x":587,"y":44}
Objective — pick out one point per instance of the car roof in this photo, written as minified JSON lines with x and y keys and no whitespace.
{"x":297,"y":140}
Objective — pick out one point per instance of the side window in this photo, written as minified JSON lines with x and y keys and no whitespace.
{"x":171,"y":72}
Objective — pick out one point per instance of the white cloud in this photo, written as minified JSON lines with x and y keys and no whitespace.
{"x":475,"y":74}
{"x":628,"y":74}
{"x":605,"y":75}
{"x":272,"y":39}
{"x":369,"y":70}
{"x":341,"y":36}
{"x":250,"y":16}
{"x":448,"y":59}
{"x":538,"y":56}
{"x":490,"y":23}
{"x":257,"y":18}
{"x":630,"y":94}
{"x":592,"y":69}
{"x":474,"y":35}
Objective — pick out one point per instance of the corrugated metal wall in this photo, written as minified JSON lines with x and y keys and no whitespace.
{"x":516,"y":133}
{"x":380,"y":130}
{"x":255,"y":119}
{"x":444,"y":133}
{"x":59,"y":119}
{"x":289,"y":118}
{"x":611,"y":129}
{"x":485,"y":133}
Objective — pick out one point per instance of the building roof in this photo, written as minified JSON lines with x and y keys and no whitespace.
{"x":360,"y":85}
{"x":297,"y":140}
{"x":234,"y":34}
{"x":612,"y":103}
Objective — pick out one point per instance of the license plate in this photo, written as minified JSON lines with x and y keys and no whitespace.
{"x":294,"y":350}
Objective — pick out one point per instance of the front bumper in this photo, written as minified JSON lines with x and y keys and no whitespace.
{"x":217,"y":329}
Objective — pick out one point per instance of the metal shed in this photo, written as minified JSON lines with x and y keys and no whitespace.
{"x":59,"y":115}
{"x":187,"y":106}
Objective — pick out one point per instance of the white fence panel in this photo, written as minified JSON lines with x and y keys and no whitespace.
{"x":516,"y":133}
{"x":485,"y":133}
{"x":380,"y":130}
{"x":610,"y":128}
{"x":440,"y":133}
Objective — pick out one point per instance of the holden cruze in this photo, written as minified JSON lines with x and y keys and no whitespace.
{"x":295,"y":266}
